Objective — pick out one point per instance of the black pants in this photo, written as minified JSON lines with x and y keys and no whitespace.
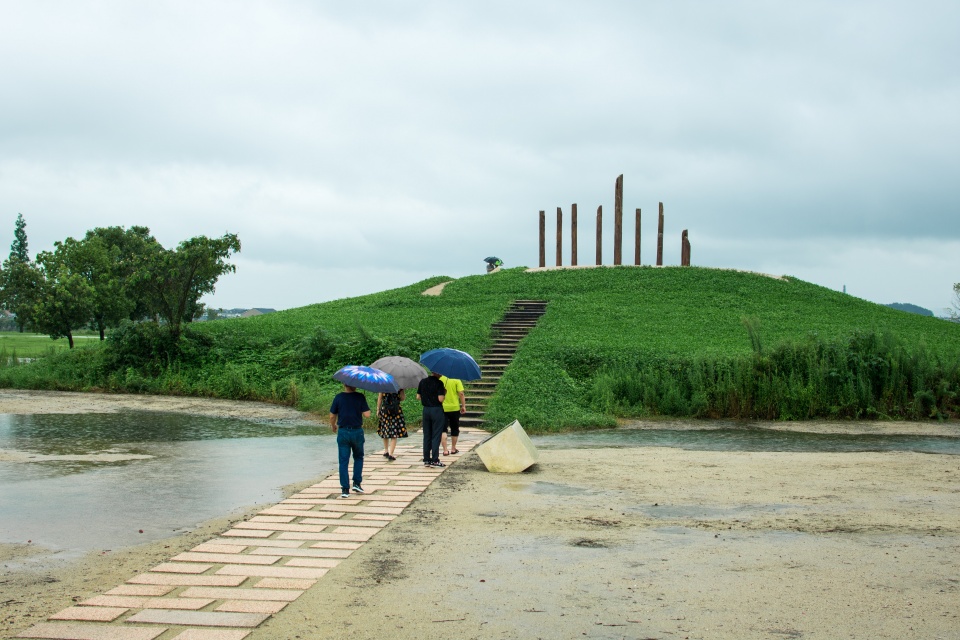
{"x":433,"y":424}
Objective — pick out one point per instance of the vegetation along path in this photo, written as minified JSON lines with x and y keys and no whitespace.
{"x":225,"y":587}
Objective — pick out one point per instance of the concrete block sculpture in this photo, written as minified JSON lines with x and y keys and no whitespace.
{"x":509,"y":451}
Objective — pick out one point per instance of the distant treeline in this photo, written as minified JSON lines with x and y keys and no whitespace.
{"x":109,"y":276}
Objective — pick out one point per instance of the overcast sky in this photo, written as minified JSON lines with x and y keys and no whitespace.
{"x":359,"y":146}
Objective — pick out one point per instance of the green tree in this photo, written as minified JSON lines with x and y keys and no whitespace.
{"x":129,"y":250}
{"x":19,"y":279}
{"x":18,"y":249}
{"x":99,"y":266}
{"x":173,"y":280}
{"x":65,"y":299}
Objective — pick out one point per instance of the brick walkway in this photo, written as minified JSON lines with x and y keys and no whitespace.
{"x":223,"y":588}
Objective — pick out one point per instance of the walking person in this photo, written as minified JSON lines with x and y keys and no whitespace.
{"x":431,"y":392}
{"x":347,"y":412}
{"x":454,"y":405}
{"x":390,"y":421}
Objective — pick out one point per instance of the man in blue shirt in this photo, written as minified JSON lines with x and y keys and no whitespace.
{"x":347,"y":412}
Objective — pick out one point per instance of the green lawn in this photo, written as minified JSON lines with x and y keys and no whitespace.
{"x":35,"y":345}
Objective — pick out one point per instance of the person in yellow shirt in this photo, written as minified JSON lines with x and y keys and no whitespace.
{"x":454,"y":405}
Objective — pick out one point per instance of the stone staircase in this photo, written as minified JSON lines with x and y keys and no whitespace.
{"x":520,"y":318}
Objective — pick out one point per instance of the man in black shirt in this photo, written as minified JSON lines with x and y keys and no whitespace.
{"x":431,"y":393}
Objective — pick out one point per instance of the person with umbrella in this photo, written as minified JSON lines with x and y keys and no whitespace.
{"x":347,"y":412}
{"x":431,"y":392}
{"x":391,"y":423}
{"x":452,"y":363}
{"x":493,"y":262}
{"x":453,"y":405}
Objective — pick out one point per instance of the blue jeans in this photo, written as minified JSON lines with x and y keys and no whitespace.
{"x":350,"y":439}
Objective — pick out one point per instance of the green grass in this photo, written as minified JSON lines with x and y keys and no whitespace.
{"x":36,"y":345}
{"x":614,"y":342}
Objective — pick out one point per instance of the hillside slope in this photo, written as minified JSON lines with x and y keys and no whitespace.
{"x":615,"y":341}
{"x":596,"y":320}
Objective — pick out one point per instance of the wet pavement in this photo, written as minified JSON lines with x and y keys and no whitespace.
{"x":223,"y":588}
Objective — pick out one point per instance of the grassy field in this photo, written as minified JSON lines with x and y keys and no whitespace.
{"x":614,"y":342}
{"x":36,"y":345}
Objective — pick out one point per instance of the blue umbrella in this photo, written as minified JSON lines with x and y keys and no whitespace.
{"x":367,"y":378}
{"x":452,"y":363}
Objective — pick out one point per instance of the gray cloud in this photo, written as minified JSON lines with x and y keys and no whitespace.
{"x":421,"y":139}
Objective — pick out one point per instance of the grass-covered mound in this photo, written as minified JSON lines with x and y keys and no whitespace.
{"x":614,"y":342}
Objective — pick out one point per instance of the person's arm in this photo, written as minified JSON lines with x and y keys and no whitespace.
{"x":441,"y":397}
{"x":366,"y":414}
{"x":379,"y":400}
{"x":333,"y":422}
{"x":403,"y":395}
{"x":463,"y":403}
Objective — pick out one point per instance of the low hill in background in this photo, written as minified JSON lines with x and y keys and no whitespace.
{"x":614,"y":342}
{"x":909,"y":308}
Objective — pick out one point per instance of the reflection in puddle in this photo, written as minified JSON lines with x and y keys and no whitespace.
{"x":94,"y":481}
{"x":749,"y":439}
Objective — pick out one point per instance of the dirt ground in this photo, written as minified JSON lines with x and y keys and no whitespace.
{"x":618,"y":543}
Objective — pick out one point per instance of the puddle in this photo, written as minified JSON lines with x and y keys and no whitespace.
{"x":750,"y":438}
{"x":75,"y":483}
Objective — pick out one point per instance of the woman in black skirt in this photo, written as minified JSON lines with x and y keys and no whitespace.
{"x":390,"y":422}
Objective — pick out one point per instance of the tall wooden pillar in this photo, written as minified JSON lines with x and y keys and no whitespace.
{"x":573,"y":234}
{"x":559,"y":236}
{"x":618,"y":220}
{"x":599,"y":235}
{"x":543,"y":239}
{"x":636,"y":244}
{"x":684,"y":249}
{"x":660,"y":238}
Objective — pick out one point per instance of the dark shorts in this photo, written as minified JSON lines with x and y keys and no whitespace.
{"x":453,"y":423}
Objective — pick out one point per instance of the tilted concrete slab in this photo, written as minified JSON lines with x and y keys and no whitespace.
{"x":509,"y":451}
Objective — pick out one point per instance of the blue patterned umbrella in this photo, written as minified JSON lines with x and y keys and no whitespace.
{"x":366,"y":378}
{"x":452,"y":363}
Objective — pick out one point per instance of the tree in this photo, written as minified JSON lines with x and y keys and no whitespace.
{"x":173,"y":280}
{"x":19,"y":277}
{"x":18,"y":249}
{"x":64,"y":300}
{"x":129,"y":250}
{"x":99,"y":266}
{"x":20,"y":283}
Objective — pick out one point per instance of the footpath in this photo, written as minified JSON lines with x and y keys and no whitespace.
{"x":224,"y":588}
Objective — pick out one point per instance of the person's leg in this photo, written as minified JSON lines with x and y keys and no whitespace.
{"x":386,"y":446}
{"x":427,"y":434}
{"x":443,"y":438}
{"x":343,"y":452}
{"x":393,"y":446}
{"x":438,"y":420}
{"x":454,"y":423}
{"x":357,"y":446}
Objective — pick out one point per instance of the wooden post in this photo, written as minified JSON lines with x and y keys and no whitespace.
{"x":543,"y":239}
{"x":618,"y":220}
{"x":599,"y":235}
{"x":660,"y":238}
{"x":559,"y":236}
{"x":684,"y":249}
{"x":636,"y":250}
{"x":573,"y":234}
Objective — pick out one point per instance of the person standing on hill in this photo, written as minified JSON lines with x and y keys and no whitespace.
{"x":454,"y":404}
{"x":431,"y":393}
{"x":347,"y":412}
{"x":390,"y":421}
